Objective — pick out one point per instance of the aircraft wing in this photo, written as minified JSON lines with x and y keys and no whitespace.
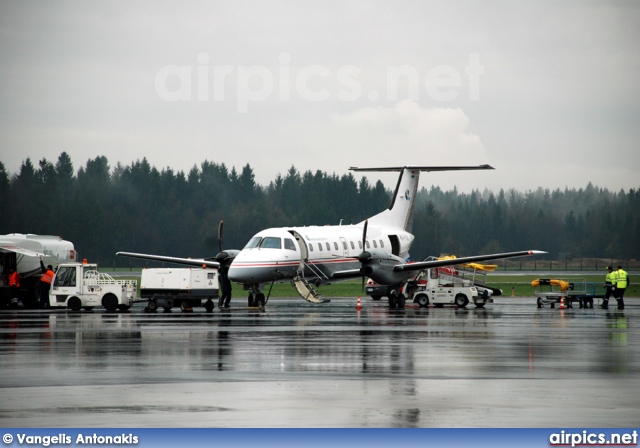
{"x":419,"y":266}
{"x":8,"y":247}
{"x":350,"y":273}
{"x":186,"y":261}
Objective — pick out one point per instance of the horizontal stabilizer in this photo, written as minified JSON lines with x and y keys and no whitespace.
{"x":424,"y":168}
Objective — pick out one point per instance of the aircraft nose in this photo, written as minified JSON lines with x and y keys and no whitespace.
{"x":233,"y":273}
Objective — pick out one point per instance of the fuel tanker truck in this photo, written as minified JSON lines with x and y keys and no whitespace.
{"x":22,"y":252}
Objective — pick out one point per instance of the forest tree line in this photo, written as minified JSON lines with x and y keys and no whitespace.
{"x":103,"y":209}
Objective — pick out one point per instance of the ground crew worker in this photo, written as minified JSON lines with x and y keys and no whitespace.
{"x":225,"y":286}
{"x":609,"y":288}
{"x":14,"y":287}
{"x":45,"y":284}
{"x":622,"y":280}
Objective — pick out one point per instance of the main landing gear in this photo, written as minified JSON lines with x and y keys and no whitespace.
{"x":396,"y":300}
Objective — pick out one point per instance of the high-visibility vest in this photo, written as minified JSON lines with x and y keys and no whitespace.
{"x":47,"y":277}
{"x":609,"y":277}
{"x":14,"y":280}
{"x":621,"y":277}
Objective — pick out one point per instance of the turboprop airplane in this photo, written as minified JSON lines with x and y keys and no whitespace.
{"x":377,"y":248}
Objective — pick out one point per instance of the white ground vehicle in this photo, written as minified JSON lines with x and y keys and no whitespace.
{"x":80,"y":285}
{"x":444,"y":286}
{"x":185,"y":287}
{"x":459,"y":285}
{"x":22,"y":252}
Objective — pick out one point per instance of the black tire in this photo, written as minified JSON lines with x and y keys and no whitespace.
{"x":123,"y":307}
{"x":422,"y":300}
{"x":185,"y":307}
{"x":401,"y":301}
{"x":110,"y":302}
{"x":393,"y":299}
{"x":461,"y":300}
{"x":260,"y":300}
{"x":152,"y":305}
{"x":251,"y":302}
{"x":208,"y":306}
{"x":376,"y":297}
{"x":74,"y":304}
{"x":479,"y":305}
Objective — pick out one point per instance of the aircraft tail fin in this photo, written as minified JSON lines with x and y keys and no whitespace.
{"x":399,"y":212}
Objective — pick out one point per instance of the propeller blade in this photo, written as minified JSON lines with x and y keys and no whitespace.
{"x":364,"y":248}
{"x":220,"y":234}
{"x":364,"y":234}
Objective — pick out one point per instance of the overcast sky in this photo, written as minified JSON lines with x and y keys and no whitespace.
{"x":547,"y":92}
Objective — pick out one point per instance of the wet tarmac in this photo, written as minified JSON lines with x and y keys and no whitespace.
{"x":302,"y":365}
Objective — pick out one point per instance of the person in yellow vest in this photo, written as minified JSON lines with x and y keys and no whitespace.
{"x":609,"y":288}
{"x":45,"y":284}
{"x":622,"y":281}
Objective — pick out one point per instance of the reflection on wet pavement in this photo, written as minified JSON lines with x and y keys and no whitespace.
{"x":297,"y":364}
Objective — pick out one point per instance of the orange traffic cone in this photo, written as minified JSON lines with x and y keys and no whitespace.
{"x":561,"y":303}
{"x":358,"y":305}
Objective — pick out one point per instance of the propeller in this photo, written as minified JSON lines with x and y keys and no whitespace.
{"x":364,"y":256}
{"x":222,"y":256}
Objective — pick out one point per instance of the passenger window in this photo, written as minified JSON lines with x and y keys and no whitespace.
{"x":289,"y":244}
{"x":360,"y":244}
{"x":352,"y":245}
{"x":310,"y":247}
{"x":335,"y":245}
{"x":320,"y":247}
{"x":328,"y":247}
{"x":344,"y":245}
{"x":382,"y":244}
{"x":367,"y":244}
{"x":375,"y":245}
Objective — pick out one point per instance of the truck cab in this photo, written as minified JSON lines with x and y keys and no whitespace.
{"x":81,"y":285}
{"x":443,"y":286}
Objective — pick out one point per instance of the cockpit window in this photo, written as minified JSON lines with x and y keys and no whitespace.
{"x":289,"y":245}
{"x":271,"y":242}
{"x":253,"y":242}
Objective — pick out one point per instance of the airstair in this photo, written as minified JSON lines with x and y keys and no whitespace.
{"x":304,"y":288}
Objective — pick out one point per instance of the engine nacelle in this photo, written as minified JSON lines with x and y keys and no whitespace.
{"x":378,"y":266}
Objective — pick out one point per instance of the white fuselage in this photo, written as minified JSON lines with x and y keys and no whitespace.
{"x":318,"y":251}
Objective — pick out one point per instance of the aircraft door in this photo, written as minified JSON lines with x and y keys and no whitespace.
{"x":345,"y":250}
{"x":64,"y":283}
{"x":304,"y":251}
{"x":395,"y":244}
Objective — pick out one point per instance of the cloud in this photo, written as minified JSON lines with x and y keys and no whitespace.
{"x":411,"y":131}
